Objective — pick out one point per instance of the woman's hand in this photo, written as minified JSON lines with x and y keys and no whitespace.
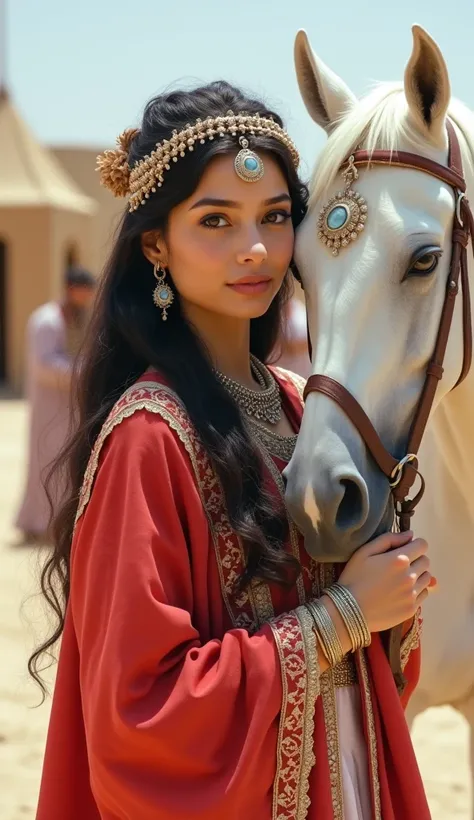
{"x":389,"y":577}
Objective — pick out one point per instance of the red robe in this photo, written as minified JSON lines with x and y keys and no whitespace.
{"x":177,"y":698}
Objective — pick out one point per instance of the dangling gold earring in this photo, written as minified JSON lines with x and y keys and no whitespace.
{"x":163,"y":296}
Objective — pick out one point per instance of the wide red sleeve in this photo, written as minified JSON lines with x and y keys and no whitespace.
{"x":175,"y":726}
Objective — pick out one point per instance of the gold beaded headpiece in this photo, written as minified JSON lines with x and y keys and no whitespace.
{"x":147,"y":175}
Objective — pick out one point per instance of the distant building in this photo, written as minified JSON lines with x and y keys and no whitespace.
{"x":52,"y":212}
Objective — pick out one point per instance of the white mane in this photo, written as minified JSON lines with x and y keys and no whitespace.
{"x":380,"y":121}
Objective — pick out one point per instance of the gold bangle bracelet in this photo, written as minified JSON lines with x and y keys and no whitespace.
{"x":351,"y":614}
{"x":350,"y":623}
{"x":327,"y":633}
{"x":358,"y":614}
{"x":349,"y":606}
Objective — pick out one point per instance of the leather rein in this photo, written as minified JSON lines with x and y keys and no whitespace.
{"x":402,"y":473}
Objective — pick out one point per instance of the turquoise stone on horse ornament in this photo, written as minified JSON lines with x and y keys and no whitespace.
{"x":343,"y":219}
{"x":338,"y":217}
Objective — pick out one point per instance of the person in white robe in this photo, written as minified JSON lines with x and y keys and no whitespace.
{"x":53,"y":338}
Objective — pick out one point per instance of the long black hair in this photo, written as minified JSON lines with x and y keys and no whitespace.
{"x":126,"y":337}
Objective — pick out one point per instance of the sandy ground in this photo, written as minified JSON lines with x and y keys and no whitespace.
{"x":440,"y":734}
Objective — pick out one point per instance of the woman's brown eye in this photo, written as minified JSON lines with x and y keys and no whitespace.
{"x":277,"y":217}
{"x":215,"y":221}
{"x":425,"y":263}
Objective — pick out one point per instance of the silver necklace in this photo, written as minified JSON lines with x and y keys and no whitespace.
{"x":281,"y":446}
{"x":264,"y":404}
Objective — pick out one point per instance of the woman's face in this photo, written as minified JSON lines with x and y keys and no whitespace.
{"x":229,"y":246}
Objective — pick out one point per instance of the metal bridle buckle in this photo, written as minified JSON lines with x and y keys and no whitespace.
{"x":460,"y":198}
{"x":397,"y":472}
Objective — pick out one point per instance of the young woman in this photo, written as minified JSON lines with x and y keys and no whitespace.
{"x":209,"y":669}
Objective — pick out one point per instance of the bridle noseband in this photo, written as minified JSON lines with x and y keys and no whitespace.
{"x":402,"y":473}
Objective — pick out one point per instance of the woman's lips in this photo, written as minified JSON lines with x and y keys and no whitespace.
{"x":251,"y":286}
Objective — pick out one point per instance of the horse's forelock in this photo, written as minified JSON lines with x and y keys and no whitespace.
{"x":380,"y":121}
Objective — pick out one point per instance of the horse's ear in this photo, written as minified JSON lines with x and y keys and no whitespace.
{"x":326,"y":96}
{"x":427,"y":87}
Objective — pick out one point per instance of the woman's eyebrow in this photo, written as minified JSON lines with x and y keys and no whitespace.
{"x":222,"y":203}
{"x":229,"y":203}
{"x":279,"y":198}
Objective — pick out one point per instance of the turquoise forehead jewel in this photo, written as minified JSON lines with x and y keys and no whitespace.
{"x":251,"y":164}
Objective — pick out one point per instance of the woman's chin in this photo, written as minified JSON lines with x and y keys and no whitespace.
{"x":252,"y":312}
{"x":251,"y":307}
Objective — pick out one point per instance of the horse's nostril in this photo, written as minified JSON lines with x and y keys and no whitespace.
{"x":352,"y":510}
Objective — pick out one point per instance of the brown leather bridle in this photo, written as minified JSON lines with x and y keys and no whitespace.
{"x":402,"y":473}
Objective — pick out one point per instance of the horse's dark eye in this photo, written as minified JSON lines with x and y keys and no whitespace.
{"x":427,"y":263}
{"x":424,"y":263}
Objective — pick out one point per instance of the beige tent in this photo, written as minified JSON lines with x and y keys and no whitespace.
{"x":80,"y":163}
{"x":45,"y":224}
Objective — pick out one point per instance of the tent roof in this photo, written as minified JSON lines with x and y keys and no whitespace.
{"x":30,"y":175}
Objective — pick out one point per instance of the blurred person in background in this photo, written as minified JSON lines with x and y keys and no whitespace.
{"x":54,"y":335}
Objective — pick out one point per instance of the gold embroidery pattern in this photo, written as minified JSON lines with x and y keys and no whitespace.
{"x":327,"y":576}
{"x":411,"y":641}
{"x":296,"y":643}
{"x":372,"y":749}
{"x":263,"y":601}
{"x":328,"y":695}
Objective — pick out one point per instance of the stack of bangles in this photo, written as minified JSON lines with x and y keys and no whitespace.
{"x":352,"y":617}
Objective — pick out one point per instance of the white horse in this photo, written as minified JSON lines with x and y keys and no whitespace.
{"x":373,"y":313}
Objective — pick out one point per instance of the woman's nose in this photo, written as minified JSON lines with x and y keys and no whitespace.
{"x":255,"y":251}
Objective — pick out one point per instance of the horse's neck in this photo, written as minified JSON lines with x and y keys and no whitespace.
{"x":447,"y":453}
{"x":449,"y":446}
{"x":445,"y":516}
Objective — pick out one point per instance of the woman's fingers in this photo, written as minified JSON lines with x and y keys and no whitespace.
{"x":385,"y":542}
{"x":414,"y":550}
{"x":419,"y":566}
{"x":421,"y":597}
{"x":422,"y":583}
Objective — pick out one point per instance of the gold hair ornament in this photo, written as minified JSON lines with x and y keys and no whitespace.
{"x":113,"y":166}
{"x":147,"y":175}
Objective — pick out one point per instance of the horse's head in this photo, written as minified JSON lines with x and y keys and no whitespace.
{"x":375,"y":294}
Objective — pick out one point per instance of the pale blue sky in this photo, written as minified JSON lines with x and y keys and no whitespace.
{"x":80,"y":72}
